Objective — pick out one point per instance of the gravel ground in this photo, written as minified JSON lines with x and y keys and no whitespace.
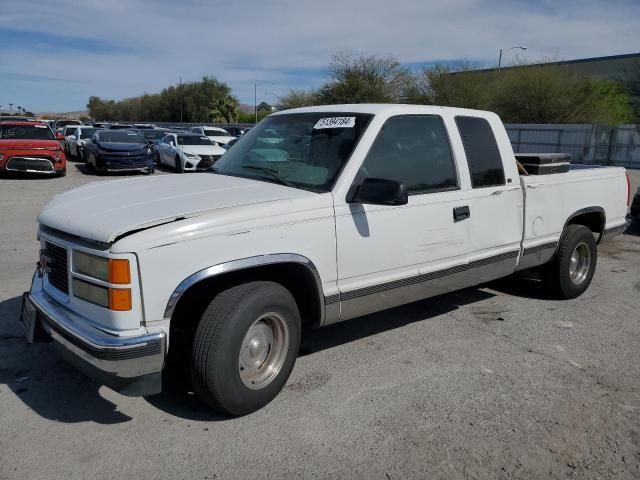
{"x":494,"y":382}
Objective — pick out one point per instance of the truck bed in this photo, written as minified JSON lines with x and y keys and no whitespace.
{"x":551,"y":200}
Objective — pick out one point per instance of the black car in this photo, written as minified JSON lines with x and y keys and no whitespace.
{"x":237,"y":131}
{"x":119,"y":151}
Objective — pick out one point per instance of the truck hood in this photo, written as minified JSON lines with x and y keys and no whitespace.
{"x":105,"y":211}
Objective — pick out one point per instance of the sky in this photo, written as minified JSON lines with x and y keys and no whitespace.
{"x":54,"y":54}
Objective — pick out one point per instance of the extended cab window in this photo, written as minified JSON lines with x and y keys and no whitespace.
{"x":413,"y":150}
{"x":481,"y":148}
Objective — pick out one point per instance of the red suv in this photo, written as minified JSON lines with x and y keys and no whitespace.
{"x":30,"y":147}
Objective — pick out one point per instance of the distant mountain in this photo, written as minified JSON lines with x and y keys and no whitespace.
{"x":243,"y":107}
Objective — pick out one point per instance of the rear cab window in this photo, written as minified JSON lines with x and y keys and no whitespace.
{"x":481,"y":149}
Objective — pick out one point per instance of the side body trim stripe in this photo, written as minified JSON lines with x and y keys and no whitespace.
{"x":361,"y":292}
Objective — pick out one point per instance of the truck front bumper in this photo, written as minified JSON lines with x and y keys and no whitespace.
{"x":131,"y":365}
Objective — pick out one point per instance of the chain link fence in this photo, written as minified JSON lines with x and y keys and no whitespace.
{"x":590,"y":144}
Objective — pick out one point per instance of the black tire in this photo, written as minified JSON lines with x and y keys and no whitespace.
{"x":557,"y":276}
{"x":62,"y":173}
{"x":178,"y":165}
{"x":216,"y":358}
{"x":158,"y":162}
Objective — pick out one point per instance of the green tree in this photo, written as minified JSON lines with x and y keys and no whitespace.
{"x":192,"y":101}
{"x":299,"y":98}
{"x":364,"y":79}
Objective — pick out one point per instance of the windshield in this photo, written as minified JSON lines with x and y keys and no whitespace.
{"x":305,"y":150}
{"x":64,"y":123}
{"x":193,"y":140}
{"x":26,"y":132}
{"x":215,"y":133}
{"x":120,"y":137}
{"x":153,"y":134}
{"x":87,"y":132}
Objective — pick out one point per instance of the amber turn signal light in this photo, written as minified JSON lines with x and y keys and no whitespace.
{"x":120,"y":299}
{"x":119,"y":272}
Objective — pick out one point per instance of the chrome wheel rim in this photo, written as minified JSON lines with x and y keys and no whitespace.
{"x":579,"y":263}
{"x":263,"y":350}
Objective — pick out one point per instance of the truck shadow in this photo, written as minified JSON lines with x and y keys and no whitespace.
{"x":178,"y":399}
{"x":56,"y":391}
{"x":523,"y":285}
{"x":43,"y":381}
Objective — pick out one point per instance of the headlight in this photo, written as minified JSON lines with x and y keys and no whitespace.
{"x":190,"y":155}
{"x":91,"y":293}
{"x":111,"y":270}
{"x":118,"y":299}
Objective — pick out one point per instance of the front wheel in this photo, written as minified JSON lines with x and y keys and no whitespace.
{"x":569,"y":274}
{"x":178,"y":165}
{"x":245,"y":347}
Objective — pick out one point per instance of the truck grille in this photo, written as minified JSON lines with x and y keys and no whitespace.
{"x":23,"y":164}
{"x":58,"y":268}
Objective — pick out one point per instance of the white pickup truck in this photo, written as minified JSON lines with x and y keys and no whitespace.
{"x":356,"y":209}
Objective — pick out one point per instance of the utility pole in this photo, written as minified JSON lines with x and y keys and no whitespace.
{"x":180,"y":88}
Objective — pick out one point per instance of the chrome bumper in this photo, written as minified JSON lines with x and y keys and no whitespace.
{"x":129,"y":365}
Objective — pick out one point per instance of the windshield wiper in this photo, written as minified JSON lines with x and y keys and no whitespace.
{"x":273,"y":174}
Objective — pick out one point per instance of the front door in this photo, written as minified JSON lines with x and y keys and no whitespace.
{"x":390,"y":255}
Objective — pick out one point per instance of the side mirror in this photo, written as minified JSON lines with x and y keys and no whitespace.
{"x":380,"y":191}
{"x":59,"y":136}
{"x":72,"y":137}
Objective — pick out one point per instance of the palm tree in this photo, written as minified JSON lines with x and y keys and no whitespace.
{"x":225,"y":108}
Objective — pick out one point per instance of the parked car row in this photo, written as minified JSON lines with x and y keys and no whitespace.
{"x":140,"y":147}
{"x":109,"y":147}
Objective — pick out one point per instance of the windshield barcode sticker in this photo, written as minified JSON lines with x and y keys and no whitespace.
{"x":335,"y":122}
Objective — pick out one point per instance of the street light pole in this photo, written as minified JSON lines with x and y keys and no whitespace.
{"x":255,"y":97}
{"x":505,"y":51}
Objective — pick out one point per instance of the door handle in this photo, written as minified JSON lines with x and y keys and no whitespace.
{"x":461,"y":213}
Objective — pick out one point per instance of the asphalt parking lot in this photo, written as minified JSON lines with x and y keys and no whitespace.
{"x":491,"y":382}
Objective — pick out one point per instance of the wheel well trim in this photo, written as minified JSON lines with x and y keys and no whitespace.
{"x":593,"y":209}
{"x":244,"y":264}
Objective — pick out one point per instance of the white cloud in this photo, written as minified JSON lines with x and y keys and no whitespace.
{"x":240,"y":42}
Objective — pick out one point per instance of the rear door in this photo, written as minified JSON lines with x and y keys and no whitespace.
{"x":495,"y":198}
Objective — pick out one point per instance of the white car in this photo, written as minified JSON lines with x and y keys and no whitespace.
{"x":358,"y":209}
{"x":216,"y":134}
{"x":76,"y":136}
{"x":187,"y":152}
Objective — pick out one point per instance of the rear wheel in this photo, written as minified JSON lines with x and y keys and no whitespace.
{"x":569,"y":274}
{"x":245,"y":347}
